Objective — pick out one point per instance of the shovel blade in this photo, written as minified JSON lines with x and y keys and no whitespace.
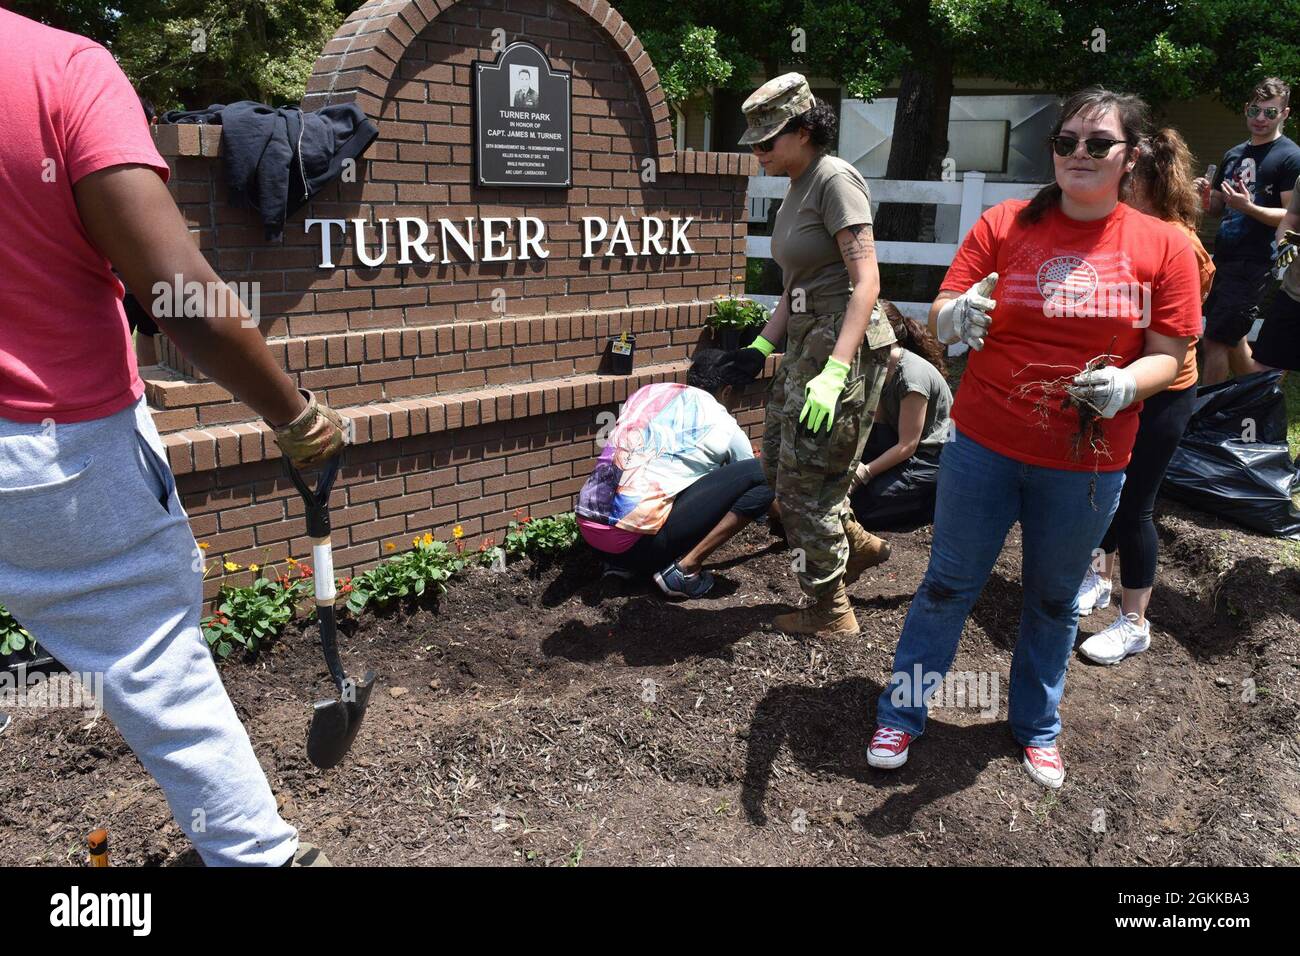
{"x":334,"y":723}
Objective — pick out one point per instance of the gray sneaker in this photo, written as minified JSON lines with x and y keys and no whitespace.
{"x":679,"y":586}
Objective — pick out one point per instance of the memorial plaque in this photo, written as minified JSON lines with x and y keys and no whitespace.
{"x":522,"y":120}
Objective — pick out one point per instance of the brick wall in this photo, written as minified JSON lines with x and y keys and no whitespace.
{"x":463,"y":413}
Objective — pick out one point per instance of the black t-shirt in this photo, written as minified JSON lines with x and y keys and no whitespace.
{"x":1266,"y":171}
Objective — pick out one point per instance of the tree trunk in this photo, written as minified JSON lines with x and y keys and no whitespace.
{"x":920,"y":144}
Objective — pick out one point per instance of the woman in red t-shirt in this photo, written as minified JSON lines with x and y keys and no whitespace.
{"x":1070,"y":301}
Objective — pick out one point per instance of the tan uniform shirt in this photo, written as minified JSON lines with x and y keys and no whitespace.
{"x":830,"y":195}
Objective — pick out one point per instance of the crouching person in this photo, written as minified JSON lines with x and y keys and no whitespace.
{"x":677,"y":478}
{"x":894,"y":484}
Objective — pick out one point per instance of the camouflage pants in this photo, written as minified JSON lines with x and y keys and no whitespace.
{"x":810,"y":473}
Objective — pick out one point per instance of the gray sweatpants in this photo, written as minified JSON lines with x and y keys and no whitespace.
{"x":97,"y":560}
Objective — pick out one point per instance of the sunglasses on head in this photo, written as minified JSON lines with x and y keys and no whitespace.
{"x":1098,"y":146}
{"x":1270,"y":112}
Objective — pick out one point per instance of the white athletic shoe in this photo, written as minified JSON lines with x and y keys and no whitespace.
{"x":1094,"y":593}
{"x":1118,"y":641}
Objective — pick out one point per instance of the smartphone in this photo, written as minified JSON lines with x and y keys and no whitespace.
{"x":1210,"y":170}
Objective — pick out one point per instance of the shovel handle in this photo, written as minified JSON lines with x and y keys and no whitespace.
{"x":318,"y":529}
{"x":317,"y":499}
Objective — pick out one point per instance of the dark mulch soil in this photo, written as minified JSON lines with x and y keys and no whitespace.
{"x":544,"y":715}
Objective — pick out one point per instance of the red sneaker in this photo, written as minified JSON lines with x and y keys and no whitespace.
{"x":888,"y":748}
{"x":1044,"y":765}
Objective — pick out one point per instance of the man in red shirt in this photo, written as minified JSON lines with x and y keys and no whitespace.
{"x":96,"y":555}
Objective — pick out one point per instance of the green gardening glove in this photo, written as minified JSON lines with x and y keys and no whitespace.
{"x":822,"y":394}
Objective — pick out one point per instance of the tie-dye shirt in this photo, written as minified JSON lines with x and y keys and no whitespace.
{"x":668,"y":436}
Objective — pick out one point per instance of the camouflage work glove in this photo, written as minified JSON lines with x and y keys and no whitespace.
{"x":1284,"y":253}
{"x":316,"y":435}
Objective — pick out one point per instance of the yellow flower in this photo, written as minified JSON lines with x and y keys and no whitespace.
{"x":203,"y":546}
{"x":458,"y":532}
{"x":428,"y":538}
{"x":252,"y":567}
{"x":292,"y":562}
{"x":390,"y":546}
{"x":232,"y":566}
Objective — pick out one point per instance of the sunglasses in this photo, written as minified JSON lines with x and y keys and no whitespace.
{"x":768,"y":144}
{"x":1098,"y":147}
{"x":1270,"y":112}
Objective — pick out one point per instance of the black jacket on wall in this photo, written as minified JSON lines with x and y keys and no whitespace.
{"x":276,"y":158}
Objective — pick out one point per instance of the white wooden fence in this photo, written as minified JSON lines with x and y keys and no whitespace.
{"x":972,"y":193}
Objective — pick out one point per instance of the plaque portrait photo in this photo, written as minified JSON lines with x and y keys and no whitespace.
{"x":523,"y":86}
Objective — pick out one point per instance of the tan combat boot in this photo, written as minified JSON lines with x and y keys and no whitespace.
{"x":829,"y":614}
{"x":865,"y":550}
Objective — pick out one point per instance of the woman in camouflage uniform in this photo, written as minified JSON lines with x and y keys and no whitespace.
{"x":825,"y":392}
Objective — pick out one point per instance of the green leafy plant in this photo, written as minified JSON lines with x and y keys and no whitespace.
{"x":13,"y":636}
{"x":250,"y":614}
{"x":732,"y":312}
{"x":429,"y":562}
{"x":549,"y":535}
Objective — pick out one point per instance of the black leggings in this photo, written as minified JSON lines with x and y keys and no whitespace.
{"x":1133,"y":531}
{"x":738,"y":487}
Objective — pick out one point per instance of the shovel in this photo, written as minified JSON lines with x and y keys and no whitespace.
{"x":334,"y":723}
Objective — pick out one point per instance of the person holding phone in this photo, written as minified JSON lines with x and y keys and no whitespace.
{"x":1251,"y":189}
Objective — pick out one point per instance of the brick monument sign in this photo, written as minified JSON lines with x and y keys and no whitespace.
{"x":462,"y":328}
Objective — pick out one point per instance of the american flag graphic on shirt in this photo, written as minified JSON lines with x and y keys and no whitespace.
{"x":1061,"y":281}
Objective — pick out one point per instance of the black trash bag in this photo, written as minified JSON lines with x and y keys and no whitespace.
{"x":1217,"y":470}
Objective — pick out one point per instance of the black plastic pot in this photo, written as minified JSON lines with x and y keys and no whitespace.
{"x":25,"y":658}
{"x":731,"y":338}
{"x":620,"y":355}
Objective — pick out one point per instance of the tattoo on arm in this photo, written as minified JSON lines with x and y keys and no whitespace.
{"x":857,"y":244}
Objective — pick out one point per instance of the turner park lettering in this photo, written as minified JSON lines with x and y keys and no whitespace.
{"x":404,"y":240}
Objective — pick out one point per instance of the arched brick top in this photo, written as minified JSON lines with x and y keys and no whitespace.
{"x":357,"y":65}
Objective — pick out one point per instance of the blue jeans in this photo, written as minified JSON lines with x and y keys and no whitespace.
{"x":981,"y":494}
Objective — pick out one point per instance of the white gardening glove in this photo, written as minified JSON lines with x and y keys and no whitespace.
{"x":1108,"y":390}
{"x":966,"y":318}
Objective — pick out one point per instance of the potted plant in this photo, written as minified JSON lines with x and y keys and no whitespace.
{"x":735,"y":322}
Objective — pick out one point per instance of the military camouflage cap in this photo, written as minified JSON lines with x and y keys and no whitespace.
{"x":773,"y":105}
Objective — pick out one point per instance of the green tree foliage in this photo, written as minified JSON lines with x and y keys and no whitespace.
{"x":189,"y":53}
{"x":1162,"y":49}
